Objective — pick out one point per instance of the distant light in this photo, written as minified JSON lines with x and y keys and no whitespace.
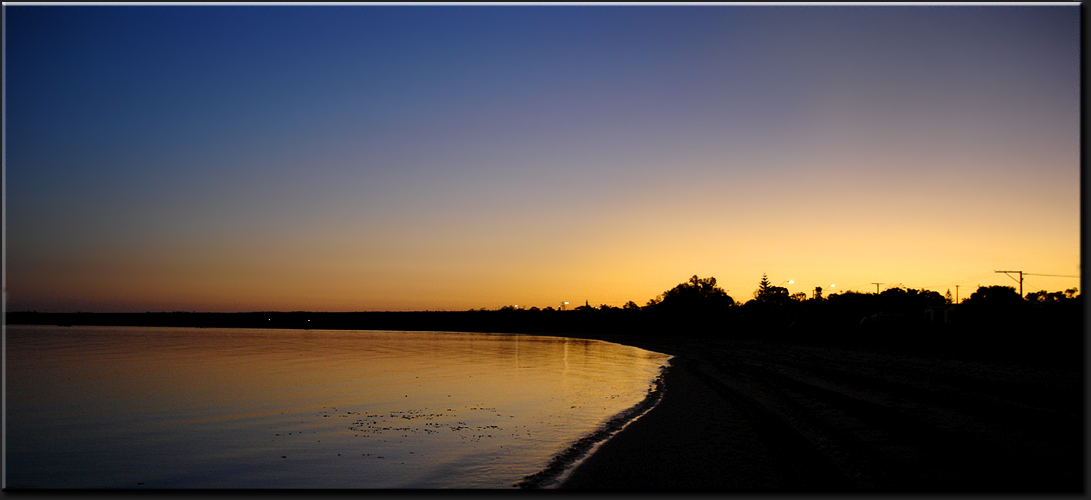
{"x":831,"y":286}
{"x":566,"y":303}
{"x":791,"y":281}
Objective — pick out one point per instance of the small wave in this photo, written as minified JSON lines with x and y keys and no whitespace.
{"x":567,"y":459}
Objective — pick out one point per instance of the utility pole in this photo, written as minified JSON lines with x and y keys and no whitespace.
{"x":956,"y":293}
{"x":1020,"y":279}
{"x":876,"y":287}
{"x":1021,"y":274}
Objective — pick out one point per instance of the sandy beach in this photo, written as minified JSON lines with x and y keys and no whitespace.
{"x":740,"y":416}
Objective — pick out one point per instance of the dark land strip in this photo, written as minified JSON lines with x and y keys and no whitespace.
{"x":751,"y":416}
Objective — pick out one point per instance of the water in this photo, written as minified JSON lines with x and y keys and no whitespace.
{"x":135,"y":407}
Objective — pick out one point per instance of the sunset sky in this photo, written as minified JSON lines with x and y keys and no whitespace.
{"x":354,"y":158}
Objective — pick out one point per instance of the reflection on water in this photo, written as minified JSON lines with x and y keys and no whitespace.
{"x":127,"y":407}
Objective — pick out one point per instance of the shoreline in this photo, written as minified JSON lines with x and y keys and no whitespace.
{"x":754,"y":416}
{"x":562,"y":464}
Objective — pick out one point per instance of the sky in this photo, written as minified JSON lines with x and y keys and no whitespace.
{"x":370,"y":158}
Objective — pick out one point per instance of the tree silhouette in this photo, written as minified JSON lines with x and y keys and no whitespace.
{"x":696,"y":293}
{"x":763,"y":287}
{"x":771,"y":309}
{"x":996,"y":312}
{"x":696,"y":307}
{"x":769,"y":294}
{"x":908,"y":300}
{"x":1042,"y":296}
{"x":996,"y":295}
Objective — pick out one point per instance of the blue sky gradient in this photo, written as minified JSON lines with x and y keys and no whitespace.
{"x":409,"y":158}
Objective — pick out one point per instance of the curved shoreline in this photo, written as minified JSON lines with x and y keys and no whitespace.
{"x":566,"y":461}
{"x":751,"y":416}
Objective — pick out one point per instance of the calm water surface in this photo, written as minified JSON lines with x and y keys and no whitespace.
{"x":135,"y":407}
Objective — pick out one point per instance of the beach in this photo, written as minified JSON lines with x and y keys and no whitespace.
{"x":754,"y":416}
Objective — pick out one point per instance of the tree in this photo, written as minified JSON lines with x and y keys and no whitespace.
{"x":948,"y":298}
{"x":1044,"y":296}
{"x":696,"y":307}
{"x":997,"y":313}
{"x":996,"y":295}
{"x":695,"y":294}
{"x":769,"y":294}
{"x":696,"y":289}
{"x":763,"y":287}
{"x":930,"y":298}
{"x":908,"y":300}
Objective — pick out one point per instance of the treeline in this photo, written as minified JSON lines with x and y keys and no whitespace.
{"x":506,"y":320}
{"x":992,"y":317}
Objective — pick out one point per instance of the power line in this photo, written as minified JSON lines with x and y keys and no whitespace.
{"x":1034,"y":287}
{"x":1021,"y":274}
{"x":1020,"y":279}
{"x":1013,"y":279}
{"x":959,"y":282}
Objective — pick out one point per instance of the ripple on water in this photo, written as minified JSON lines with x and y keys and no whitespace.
{"x":306,"y":409}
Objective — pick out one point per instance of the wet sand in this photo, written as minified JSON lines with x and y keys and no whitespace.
{"x":742,"y":416}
